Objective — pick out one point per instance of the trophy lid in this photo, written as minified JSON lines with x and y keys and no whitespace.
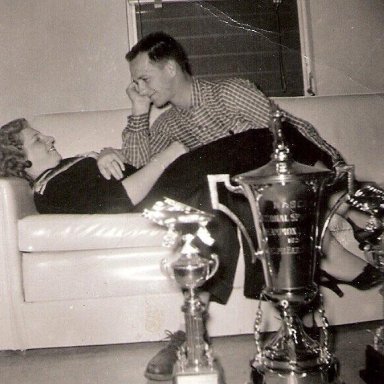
{"x":276,"y":171}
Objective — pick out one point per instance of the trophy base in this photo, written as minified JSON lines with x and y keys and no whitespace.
{"x":327,"y":374}
{"x":374,"y":363}
{"x":201,"y":376}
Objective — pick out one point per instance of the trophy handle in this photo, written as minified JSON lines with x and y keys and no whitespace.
{"x":349,"y":171}
{"x":341,"y":171}
{"x":214,"y":263}
{"x":224,"y":178}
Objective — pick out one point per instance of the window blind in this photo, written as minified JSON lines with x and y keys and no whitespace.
{"x":254,"y":39}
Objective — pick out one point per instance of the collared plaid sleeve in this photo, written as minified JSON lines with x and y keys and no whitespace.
{"x":244,"y":97}
{"x":136,"y":140}
{"x":161,"y":133}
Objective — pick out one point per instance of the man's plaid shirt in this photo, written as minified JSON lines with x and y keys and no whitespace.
{"x":219,"y":109}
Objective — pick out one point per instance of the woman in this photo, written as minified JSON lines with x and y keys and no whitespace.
{"x":74,"y":185}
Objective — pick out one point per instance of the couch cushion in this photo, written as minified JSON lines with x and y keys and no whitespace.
{"x":53,"y":233}
{"x":95,"y":274}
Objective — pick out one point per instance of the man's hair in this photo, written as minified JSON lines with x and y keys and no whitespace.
{"x":13,"y":161}
{"x":161,"y":46}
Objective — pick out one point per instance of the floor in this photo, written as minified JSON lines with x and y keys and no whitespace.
{"x":118,"y":364}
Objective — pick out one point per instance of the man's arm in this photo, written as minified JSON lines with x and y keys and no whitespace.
{"x":243,"y":97}
{"x":136,"y":147}
{"x":141,"y":141}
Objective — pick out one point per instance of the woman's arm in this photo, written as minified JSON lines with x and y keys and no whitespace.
{"x":140,"y":183}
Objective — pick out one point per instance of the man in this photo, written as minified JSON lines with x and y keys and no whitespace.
{"x":200,"y":112}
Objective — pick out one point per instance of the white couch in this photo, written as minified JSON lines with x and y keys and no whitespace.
{"x":71,"y":280}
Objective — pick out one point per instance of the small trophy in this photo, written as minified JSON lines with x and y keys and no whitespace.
{"x":196,"y":363}
{"x":285,"y":199}
{"x":370,"y":200}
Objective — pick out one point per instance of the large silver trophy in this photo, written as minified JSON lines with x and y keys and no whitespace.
{"x":284,"y":198}
{"x":196,"y":363}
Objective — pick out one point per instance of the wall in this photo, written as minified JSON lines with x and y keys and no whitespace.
{"x":59,"y":56}
{"x":348,"y":45}
{"x":62,"y":56}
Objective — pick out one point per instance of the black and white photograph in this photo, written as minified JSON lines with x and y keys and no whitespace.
{"x":191,"y":191}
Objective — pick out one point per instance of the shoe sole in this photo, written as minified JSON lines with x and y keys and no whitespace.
{"x":157,"y":377}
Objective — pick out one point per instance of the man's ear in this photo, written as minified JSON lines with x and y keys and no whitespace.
{"x":171,"y":67}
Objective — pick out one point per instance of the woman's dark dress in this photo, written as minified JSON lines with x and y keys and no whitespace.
{"x":82,"y":189}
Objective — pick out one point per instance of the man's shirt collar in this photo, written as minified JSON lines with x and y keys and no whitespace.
{"x":197,"y":96}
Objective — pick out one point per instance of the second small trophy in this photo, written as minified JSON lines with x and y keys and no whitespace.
{"x":196,"y":363}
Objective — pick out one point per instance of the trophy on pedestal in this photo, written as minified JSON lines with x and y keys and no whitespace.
{"x":370,"y":200}
{"x":196,"y":363}
{"x":285,"y":199}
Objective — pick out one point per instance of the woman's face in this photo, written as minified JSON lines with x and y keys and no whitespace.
{"x":39,"y":150}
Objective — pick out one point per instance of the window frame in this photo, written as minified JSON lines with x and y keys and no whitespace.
{"x":309,"y":82}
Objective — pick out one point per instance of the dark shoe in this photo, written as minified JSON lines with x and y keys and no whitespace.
{"x":160,"y":367}
{"x":330,"y":282}
{"x":369,"y":278}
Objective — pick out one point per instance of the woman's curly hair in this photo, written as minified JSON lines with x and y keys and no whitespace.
{"x":13,"y":161}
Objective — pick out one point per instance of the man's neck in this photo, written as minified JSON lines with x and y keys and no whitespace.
{"x":183,"y":97}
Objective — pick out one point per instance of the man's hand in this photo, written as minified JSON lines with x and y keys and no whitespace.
{"x":140,"y":103}
{"x":111,"y":163}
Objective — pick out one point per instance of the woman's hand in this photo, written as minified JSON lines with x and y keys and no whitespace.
{"x":111,"y":163}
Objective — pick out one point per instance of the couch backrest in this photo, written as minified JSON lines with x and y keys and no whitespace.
{"x":79,"y":132}
{"x":353,"y":124}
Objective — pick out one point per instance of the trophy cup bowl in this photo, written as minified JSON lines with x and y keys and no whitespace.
{"x":195,"y":363}
{"x":285,"y":198}
{"x":192,"y":271}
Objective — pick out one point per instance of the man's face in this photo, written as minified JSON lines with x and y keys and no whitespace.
{"x":152,"y":79}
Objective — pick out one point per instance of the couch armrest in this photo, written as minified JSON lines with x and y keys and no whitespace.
{"x":16,"y":201}
{"x":16,"y":198}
